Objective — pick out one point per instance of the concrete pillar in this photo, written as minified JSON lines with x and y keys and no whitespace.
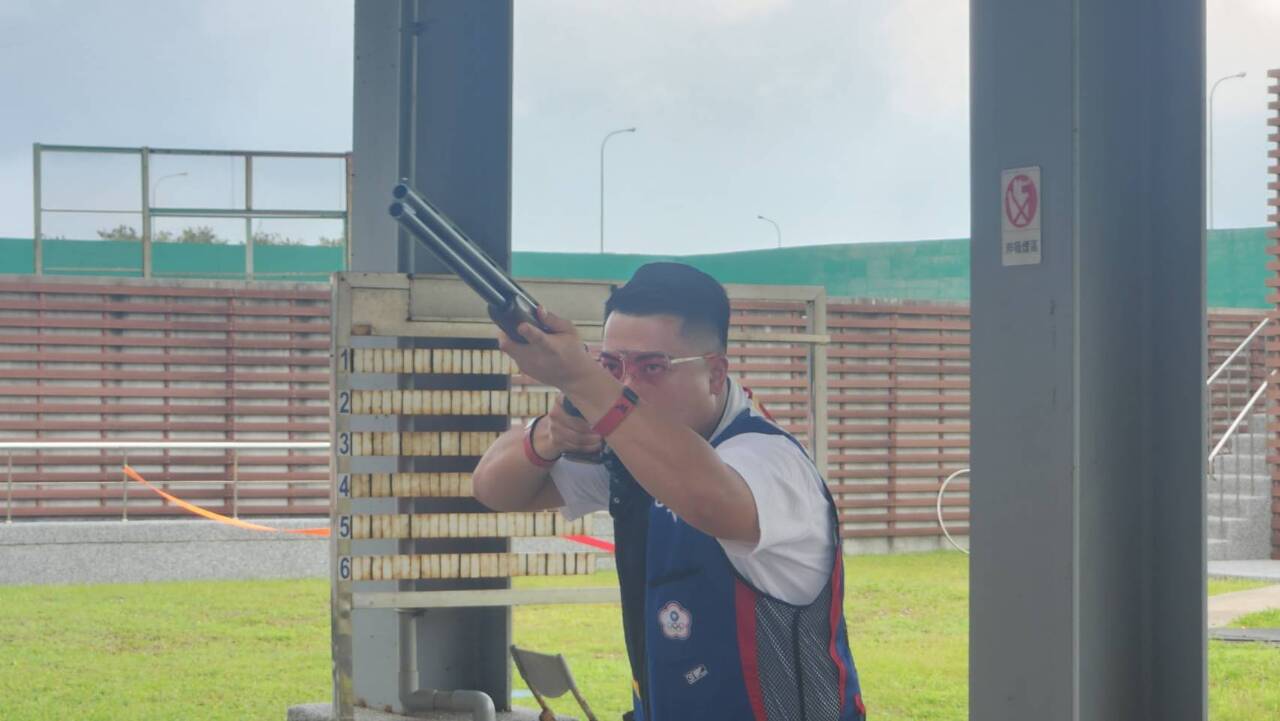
{"x":433,"y":81}
{"x":1088,"y":436}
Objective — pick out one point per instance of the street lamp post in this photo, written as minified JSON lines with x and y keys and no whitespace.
{"x":162,"y":179}
{"x":602,"y":143}
{"x":775,"y":227}
{"x":1213,"y":90}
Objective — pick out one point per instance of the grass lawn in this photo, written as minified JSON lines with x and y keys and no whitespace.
{"x":1262,"y":619}
{"x":246,"y":650}
{"x":1218,"y":586}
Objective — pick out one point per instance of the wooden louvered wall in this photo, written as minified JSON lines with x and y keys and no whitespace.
{"x":135,"y":360}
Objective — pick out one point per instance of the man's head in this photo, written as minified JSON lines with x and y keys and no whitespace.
{"x":677,"y":312}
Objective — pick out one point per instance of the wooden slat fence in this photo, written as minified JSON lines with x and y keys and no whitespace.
{"x":137,"y":360}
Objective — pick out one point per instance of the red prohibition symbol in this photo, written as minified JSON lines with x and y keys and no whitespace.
{"x":1021,"y":201}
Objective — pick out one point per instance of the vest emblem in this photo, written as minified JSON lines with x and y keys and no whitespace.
{"x":676,"y":621}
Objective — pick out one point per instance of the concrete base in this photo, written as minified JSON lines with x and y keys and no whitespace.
{"x":324,"y":712}
{"x":1246,"y":635}
{"x":1261,"y":570}
{"x":55,"y":552}
{"x":901,"y":544}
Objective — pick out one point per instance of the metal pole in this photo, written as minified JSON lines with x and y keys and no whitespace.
{"x":160,"y":180}
{"x":1213,"y":90}
{"x":248,"y":222}
{"x":1222,"y":490}
{"x":346,"y":219}
{"x":146,"y":213}
{"x":124,"y":485}
{"x":235,"y":484}
{"x":1236,"y":449}
{"x":775,"y":227}
{"x":1254,"y":432}
{"x":8,"y":505}
{"x":602,"y":144}
{"x":36,"y":203}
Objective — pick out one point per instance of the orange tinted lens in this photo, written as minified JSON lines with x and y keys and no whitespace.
{"x":613,"y":364}
{"x":650,"y":366}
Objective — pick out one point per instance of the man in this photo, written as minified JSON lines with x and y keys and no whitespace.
{"x":727,"y":547}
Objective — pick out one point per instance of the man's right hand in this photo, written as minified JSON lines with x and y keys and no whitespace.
{"x":560,"y":432}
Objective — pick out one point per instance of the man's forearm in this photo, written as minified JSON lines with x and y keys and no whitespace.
{"x":505,"y":481}
{"x":675,"y":465}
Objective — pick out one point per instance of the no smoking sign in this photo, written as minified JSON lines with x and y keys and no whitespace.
{"x":1020,"y":210}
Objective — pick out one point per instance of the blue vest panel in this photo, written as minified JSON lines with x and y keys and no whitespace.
{"x":703,"y":642}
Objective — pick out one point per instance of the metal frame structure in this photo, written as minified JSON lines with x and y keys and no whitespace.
{"x":147,"y":211}
{"x":406,"y":316}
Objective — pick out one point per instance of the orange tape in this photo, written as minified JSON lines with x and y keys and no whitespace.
{"x":206,"y":513}
{"x":191,"y":507}
{"x":601,"y":544}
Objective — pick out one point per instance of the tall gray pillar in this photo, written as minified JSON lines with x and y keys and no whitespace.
{"x":432,"y":103}
{"x":1088,"y":437}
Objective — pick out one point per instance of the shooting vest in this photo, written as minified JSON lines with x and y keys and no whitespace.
{"x":703,"y":642}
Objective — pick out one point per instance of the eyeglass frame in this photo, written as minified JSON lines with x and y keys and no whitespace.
{"x":624,"y":357}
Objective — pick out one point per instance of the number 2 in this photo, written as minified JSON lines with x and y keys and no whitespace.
{"x":344,"y":402}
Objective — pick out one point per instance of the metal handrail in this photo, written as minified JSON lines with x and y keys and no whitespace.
{"x":10,"y":446}
{"x":1262,"y":387}
{"x":1248,"y":339}
{"x":160,"y":445}
{"x":941,"y":490}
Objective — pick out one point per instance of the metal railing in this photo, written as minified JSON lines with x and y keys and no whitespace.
{"x":9,"y":447}
{"x":938,"y":506}
{"x":1229,"y":374}
{"x":147,"y":210}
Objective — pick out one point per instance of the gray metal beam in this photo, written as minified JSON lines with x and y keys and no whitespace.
{"x":433,"y":82}
{"x":1088,"y":568}
{"x":375,"y":139}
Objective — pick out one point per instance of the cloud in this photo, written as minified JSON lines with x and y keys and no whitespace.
{"x":927,"y":58}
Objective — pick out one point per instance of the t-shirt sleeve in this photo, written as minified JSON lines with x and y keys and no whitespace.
{"x":791,"y":560}
{"x":584,"y":487}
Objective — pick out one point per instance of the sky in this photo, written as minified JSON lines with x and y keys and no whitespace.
{"x":844,"y":122}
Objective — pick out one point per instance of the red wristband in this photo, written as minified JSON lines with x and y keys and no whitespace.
{"x":529,"y":452}
{"x":617,"y":413}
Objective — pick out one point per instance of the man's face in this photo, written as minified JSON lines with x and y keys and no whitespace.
{"x":688,"y":391}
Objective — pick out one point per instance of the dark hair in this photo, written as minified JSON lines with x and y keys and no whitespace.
{"x":680,"y":290}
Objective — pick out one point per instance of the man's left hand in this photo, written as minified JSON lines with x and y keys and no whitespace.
{"x":558,"y":358}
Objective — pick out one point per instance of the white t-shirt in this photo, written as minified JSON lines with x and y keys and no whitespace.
{"x":792,"y":560}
